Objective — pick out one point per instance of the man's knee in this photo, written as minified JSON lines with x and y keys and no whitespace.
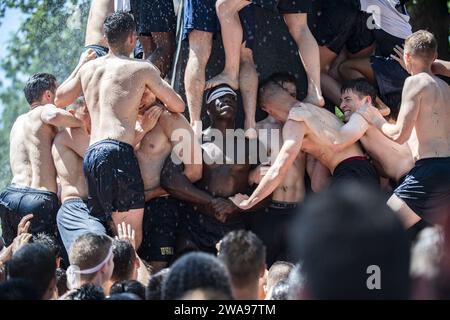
{"x":297,"y":24}
{"x":345,"y":69}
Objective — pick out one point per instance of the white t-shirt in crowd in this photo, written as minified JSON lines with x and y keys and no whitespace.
{"x":122,"y":5}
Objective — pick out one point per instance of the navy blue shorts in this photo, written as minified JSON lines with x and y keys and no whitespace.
{"x":356,"y":169}
{"x":100,"y":51}
{"x":285,"y":6}
{"x":74,"y":220}
{"x":16,"y":202}
{"x":153,"y":16}
{"x":426,"y":188}
{"x":113,"y":177}
{"x":201,"y":15}
{"x":161,"y":222}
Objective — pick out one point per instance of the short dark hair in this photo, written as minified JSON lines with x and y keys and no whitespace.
{"x":243,"y":253}
{"x":279,"y":271}
{"x":117,"y":27}
{"x":36,"y":263}
{"x":87,"y":291}
{"x":196,"y":270}
{"x":89,"y":250}
{"x":123,"y":296}
{"x":129,"y":286}
{"x":36,"y":86}
{"x":343,"y":232}
{"x":18,"y":289}
{"x":154,"y":286}
{"x":361,"y":87}
{"x":48,"y":241}
{"x":124,"y":260}
{"x":61,"y":281}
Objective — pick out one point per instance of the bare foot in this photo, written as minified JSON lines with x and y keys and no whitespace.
{"x":250,"y":130}
{"x":315,"y":99}
{"x":222,"y":78}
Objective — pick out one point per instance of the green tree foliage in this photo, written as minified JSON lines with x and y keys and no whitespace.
{"x":50,"y":39}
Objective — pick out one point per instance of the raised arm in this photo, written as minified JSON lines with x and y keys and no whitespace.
{"x":71,"y":88}
{"x":293,"y":133}
{"x":59,"y":117}
{"x":351,"y":132}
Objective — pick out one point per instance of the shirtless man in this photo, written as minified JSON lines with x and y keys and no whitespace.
{"x":425,"y":118}
{"x":225,"y":172}
{"x":271,"y":224}
{"x":313,"y":132}
{"x":161,"y":214}
{"x":95,"y":39}
{"x":113,"y":87}
{"x":33,"y":187}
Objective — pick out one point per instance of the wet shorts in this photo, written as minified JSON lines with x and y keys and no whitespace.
{"x":16,"y":202}
{"x":113,"y":177}
{"x":356,"y":169}
{"x":205,"y":231}
{"x":74,"y":220}
{"x":426,"y":188}
{"x":201,"y":15}
{"x":285,"y":6}
{"x":153,"y":16}
{"x":161,"y":222}
{"x":100,"y":51}
{"x":271,"y":225}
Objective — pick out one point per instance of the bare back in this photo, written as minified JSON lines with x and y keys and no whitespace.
{"x":113,"y":88}
{"x":432,"y":127}
{"x":69,"y":164}
{"x":321,"y":128}
{"x":30,"y":152}
{"x":98,"y":12}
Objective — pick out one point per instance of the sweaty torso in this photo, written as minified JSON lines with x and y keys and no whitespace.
{"x":30,"y":152}
{"x":432,"y":127}
{"x":391,"y":159}
{"x":98,"y":12}
{"x":321,"y":128}
{"x":113,"y":88}
{"x":292,"y":189}
{"x":68,"y":163}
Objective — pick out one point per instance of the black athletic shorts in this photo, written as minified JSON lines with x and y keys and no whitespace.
{"x":426,"y":188}
{"x":161,"y":222}
{"x":360,"y":37}
{"x":271,"y":225}
{"x":153,"y":16}
{"x":100,"y":51}
{"x":205,"y":231}
{"x":113,"y":177}
{"x":356,"y":169}
{"x":285,"y":6}
{"x":16,"y":202}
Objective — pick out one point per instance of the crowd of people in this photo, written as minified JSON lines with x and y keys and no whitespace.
{"x":116,"y":195}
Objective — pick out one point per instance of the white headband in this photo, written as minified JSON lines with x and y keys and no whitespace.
{"x":218,"y":93}
{"x":73,"y":272}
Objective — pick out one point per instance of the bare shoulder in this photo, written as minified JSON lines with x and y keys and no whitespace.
{"x":169,"y":120}
{"x":419,"y":82}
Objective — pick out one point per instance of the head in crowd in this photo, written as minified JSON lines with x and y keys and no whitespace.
{"x":61,"y":282}
{"x":221,"y":103}
{"x":50,"y":242}
{"x":87,"y":291}
{"x":35,"y":263}
{"x":205,"y":294}
{"x":153,"y":290}
{"x":280,"y":291}
{"x":420,"y":50}
{"x":126,"y":263}
{"x":123,"y":296}
{"x":279,"y":271}
{"x":276,"y":95}
{"x":120,"y":32}
{"x":18,"y":289}
{"x":196,"y":270}
{"x":129,"y":286}
{"x":244,"y":255}
{"x":40,"y":89}
{"x":91,"y":260}
{"x":344,"y":238}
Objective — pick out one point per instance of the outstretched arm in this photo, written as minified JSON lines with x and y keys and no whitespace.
{"x":293,"y":133}
{"x":59,"y":117}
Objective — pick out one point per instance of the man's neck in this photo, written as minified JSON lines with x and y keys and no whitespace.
{"x":119,"y":52}
{"x":415,"y":70}
{"x":246,"y":293}
{"x":222,"y":125}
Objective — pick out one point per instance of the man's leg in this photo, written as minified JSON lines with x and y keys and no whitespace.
{"x":132,"y":217}
{"x":147,"y":45}
{"x":309,"y":54}
{"x":232,"y":33}
{"x":200,"y":44}
{"x":330,"y":86}
{"x":162,"y":55}
{"x":405,"y":214}
{"x":248,"y":79}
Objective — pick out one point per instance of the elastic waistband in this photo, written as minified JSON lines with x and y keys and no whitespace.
{"x":76,"y":200}
{"x":113,"y":142}
{"x":357,"y":158}
{"x":283,"y":205}
{"x":433,"y":160}
{"x":30,"y":190}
